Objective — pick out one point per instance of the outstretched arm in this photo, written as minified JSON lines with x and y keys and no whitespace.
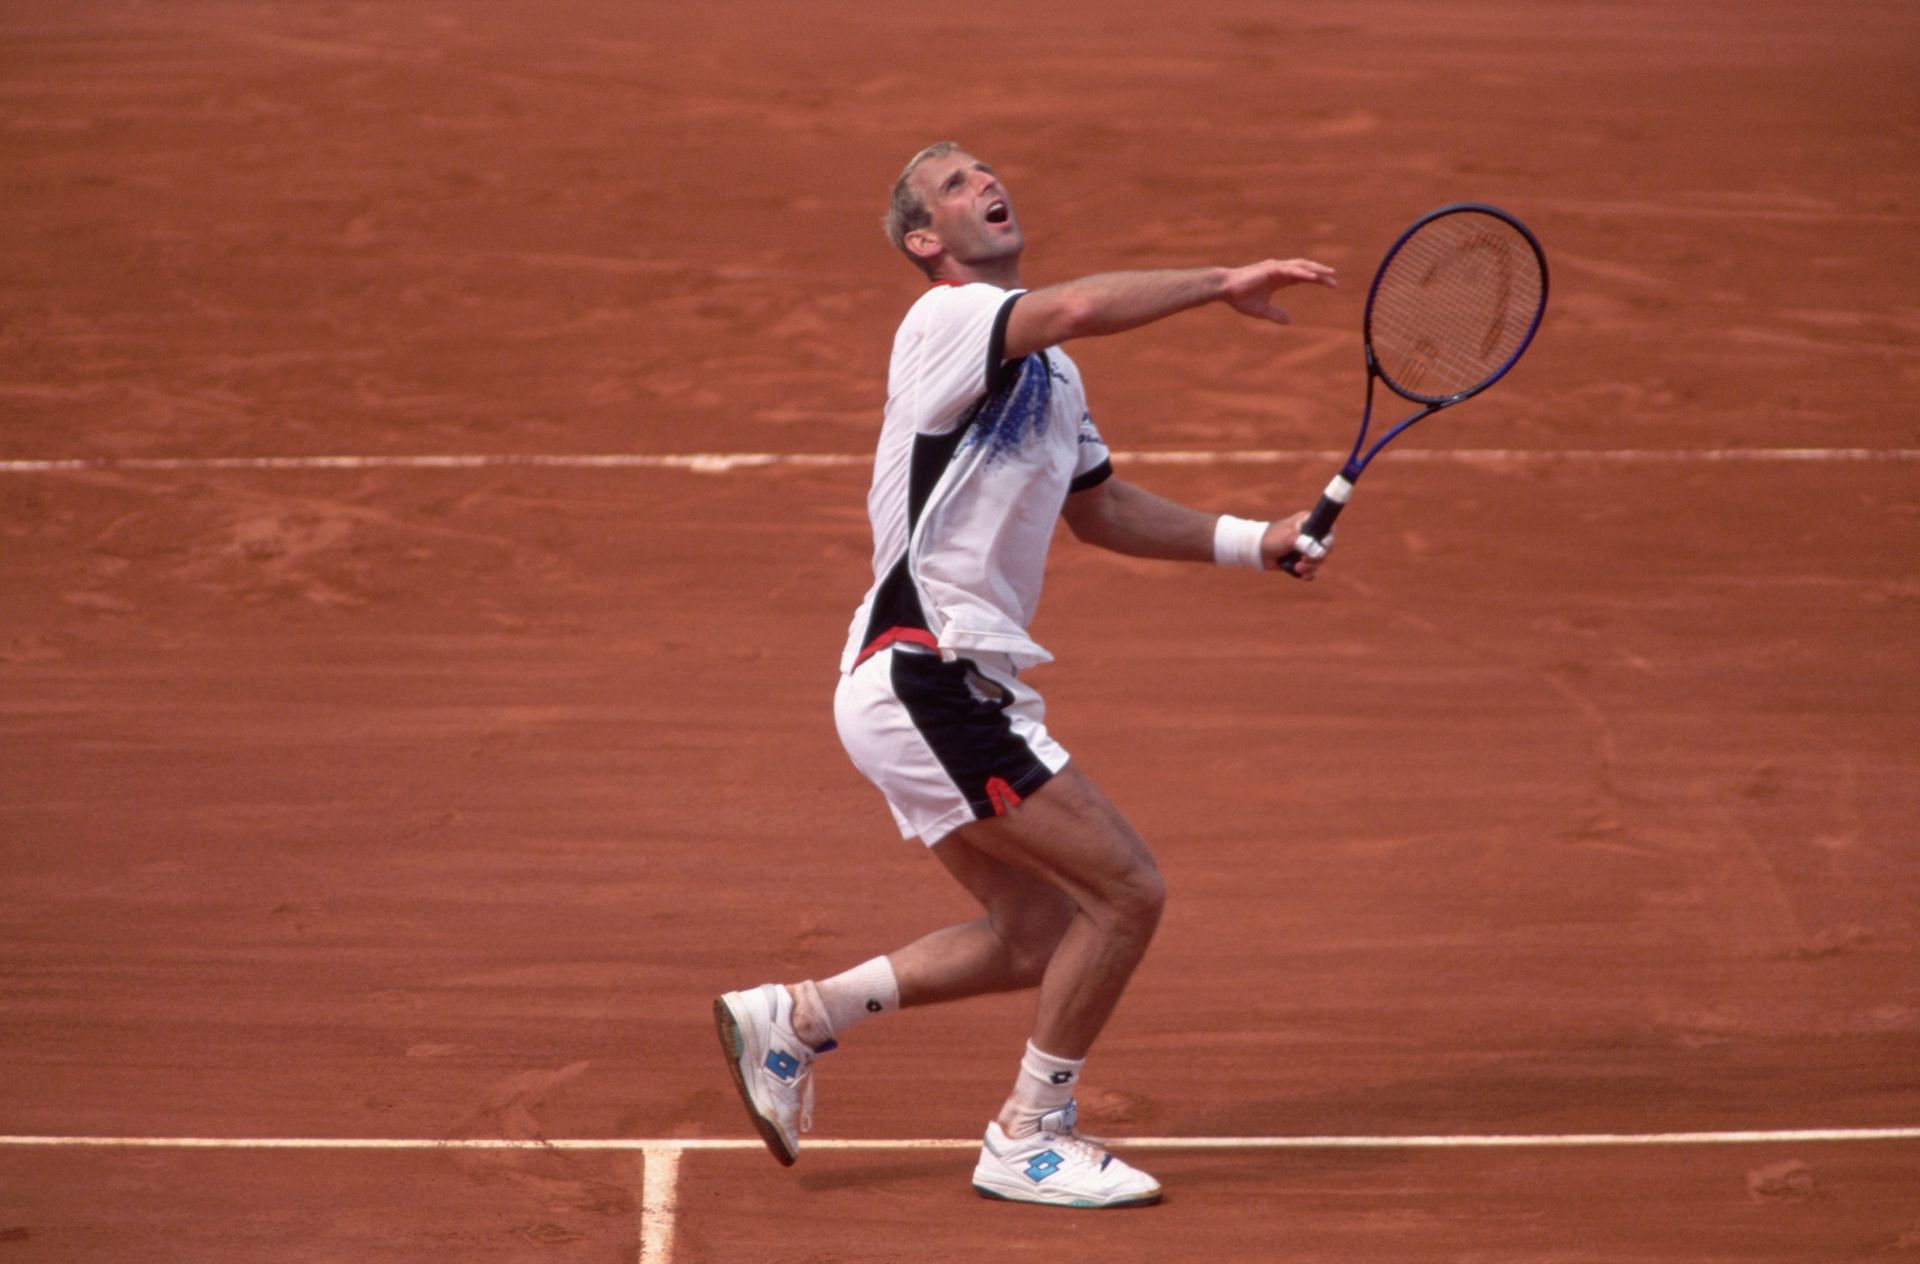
{"x":1113,"y":302}
{"x":1123,"y":518}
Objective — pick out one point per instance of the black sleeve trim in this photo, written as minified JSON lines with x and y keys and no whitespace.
{"x":997,"y":344}
{"x":1092,"y":478}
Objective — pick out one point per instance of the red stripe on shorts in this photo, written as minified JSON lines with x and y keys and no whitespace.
{"x":895,"y":636}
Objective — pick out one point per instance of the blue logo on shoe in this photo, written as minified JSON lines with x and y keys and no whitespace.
{"x":1044,"y":1164}
{"x":782,"y":1063}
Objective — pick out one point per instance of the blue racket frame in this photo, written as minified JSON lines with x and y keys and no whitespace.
{"x":1314,"y":531}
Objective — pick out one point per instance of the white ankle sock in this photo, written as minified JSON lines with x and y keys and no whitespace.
{"x":855,"y":995}
{"x":1045,"y":1084}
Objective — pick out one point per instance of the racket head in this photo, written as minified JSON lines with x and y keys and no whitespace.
{"x":1455,"y":304}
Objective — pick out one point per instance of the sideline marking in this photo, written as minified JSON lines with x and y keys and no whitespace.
{"x":726,"y":462}
{"x":673,"y":1147}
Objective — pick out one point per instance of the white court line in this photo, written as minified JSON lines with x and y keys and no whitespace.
{"x":657,"y":1203}
{"x":674,"y":1146}
{"x":659,"y":1195}
{"x":726,"y":462}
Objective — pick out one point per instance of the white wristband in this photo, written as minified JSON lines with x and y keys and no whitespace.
{"x":1236,"y":542}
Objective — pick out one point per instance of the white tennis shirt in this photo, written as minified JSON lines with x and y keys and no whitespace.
{"x":976,"y":457}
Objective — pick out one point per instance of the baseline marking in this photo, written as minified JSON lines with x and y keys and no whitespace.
{"x":670,"y":1148}
{"x":727,"y":462}
{"x":661,"y":1156}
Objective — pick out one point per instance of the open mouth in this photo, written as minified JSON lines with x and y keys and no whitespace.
{"x":998,"y":212}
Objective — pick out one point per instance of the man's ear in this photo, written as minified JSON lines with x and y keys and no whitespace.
{"x":924,"y":244}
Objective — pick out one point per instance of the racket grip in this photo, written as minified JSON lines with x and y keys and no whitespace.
{"x":1319,"y":523}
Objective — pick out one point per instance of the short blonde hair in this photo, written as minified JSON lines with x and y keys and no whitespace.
{"x":906,"y":211}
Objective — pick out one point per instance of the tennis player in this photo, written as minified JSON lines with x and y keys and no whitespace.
{"x":986,"y":441}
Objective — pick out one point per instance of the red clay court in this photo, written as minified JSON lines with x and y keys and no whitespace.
{"x":433,"y":440}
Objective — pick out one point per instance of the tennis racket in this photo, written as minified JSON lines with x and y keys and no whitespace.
{"x":1453,"y":306}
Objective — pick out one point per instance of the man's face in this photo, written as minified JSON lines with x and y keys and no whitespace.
{"x":973,"y":220}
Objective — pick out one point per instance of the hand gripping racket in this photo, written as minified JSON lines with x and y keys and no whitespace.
{"x":1455,"y":303}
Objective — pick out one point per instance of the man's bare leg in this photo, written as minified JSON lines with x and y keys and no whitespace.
{"x":1072,"y":898}
{"x":1071,"y":838}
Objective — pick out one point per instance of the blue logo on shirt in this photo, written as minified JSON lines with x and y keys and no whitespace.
{"x":1009,"y":418}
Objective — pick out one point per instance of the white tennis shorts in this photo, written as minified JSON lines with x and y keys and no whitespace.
{"x":945,"y":742}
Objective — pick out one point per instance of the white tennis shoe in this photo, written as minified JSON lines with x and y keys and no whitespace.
{"x":772,"y":1067}
{"x":1058,"y":1167}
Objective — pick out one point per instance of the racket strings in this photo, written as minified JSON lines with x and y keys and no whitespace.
{"x":1454,"y":305}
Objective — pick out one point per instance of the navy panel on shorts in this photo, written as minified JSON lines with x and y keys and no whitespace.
{"x":962,"y":716}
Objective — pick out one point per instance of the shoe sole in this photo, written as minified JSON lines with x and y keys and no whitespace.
{"x":1079,"y":1204}
{"x":734,"y":1045}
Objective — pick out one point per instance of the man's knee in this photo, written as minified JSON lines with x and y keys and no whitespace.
{"x":1140,"y":900}
{"x":1128,"y":904}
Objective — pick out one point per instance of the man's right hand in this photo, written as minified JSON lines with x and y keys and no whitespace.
{"x":1250,"y":290}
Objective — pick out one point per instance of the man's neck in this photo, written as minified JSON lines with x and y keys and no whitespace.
{"x":1004,"y":273}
